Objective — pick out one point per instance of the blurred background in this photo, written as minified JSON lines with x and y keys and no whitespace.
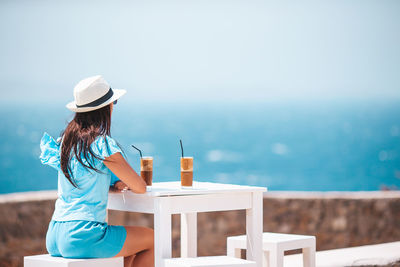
{"x":291,"y":95}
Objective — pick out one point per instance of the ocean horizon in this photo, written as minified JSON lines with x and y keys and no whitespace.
{"x":314,"y":146}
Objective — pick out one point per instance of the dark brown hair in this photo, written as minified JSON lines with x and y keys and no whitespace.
{"x":79,"y":134}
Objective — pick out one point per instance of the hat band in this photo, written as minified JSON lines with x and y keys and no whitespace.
{"x":99,"y":101}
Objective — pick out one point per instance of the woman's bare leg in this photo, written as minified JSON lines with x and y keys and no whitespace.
{"x":144,"y":258}
{"x":140,"y":242}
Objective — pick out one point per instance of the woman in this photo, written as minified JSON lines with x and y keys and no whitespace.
{"x":88,"y":161}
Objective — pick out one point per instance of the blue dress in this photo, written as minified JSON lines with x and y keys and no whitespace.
{"x":78,"y":228}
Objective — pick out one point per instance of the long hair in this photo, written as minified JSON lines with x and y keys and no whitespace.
{"x":79,"y":134}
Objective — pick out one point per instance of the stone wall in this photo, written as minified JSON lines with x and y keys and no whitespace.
{"x":336,"y":219}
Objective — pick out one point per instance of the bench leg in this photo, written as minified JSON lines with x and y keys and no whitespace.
{"x":309,"y":256}
{"x":233,"y":252}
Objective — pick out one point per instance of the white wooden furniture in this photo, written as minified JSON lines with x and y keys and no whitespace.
{"x":168,"y":198}
{"x":385,"y":254}
{"x":218,"y":261}
{"x":274,"y":246}
{"x":46,"y":260}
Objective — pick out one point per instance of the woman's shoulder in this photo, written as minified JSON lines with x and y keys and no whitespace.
{"x":104,"y":146}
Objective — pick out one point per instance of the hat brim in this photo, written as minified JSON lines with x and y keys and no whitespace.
{"x":117,"y":94}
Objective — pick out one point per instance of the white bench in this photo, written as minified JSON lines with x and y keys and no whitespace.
{"x":371,"y":255}
{"x":211,"y":261}
{"x":46,"y":260}
{"x":274,"y":246}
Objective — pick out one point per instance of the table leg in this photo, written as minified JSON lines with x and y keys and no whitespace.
{"x":189,"y":235}
{"x":276,"y":257}
{"x":254,"y":228}
{"x":162,"y":231}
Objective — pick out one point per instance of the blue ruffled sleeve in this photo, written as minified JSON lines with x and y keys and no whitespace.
{"x":105,"y":146}
{"x":50,"y":151}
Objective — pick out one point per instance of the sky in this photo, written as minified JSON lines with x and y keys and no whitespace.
{"x":202,"y":50}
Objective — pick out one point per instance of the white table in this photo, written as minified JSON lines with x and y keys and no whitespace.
{"x":168,"y":198}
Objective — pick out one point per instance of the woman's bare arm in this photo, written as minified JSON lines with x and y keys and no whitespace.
{"x":121,"y":168}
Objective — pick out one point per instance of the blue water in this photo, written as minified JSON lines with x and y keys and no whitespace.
{"x":304,"y":146}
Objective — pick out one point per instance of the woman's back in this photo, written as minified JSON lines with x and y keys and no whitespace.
{"x":88,"y":200}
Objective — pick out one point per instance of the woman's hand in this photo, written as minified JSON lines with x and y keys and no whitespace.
{"x":119,"y":186}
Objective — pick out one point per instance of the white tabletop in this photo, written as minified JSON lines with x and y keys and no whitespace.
{"x":199,"y":188}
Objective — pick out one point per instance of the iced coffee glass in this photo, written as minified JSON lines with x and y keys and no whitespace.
{"x":146,"y":171}
{"x":187,"y":172}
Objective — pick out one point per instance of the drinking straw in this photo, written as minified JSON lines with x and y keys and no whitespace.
{"x":181,"y":147}
{"x":140,"y":152}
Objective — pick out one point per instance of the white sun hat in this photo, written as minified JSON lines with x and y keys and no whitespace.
{"x":93,"y":93}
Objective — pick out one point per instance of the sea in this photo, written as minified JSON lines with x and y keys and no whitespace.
{"x":301,"y":146}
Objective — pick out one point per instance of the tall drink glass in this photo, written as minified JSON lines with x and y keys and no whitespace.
{"x":146,"y":171}
{"x":187,"y":172}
